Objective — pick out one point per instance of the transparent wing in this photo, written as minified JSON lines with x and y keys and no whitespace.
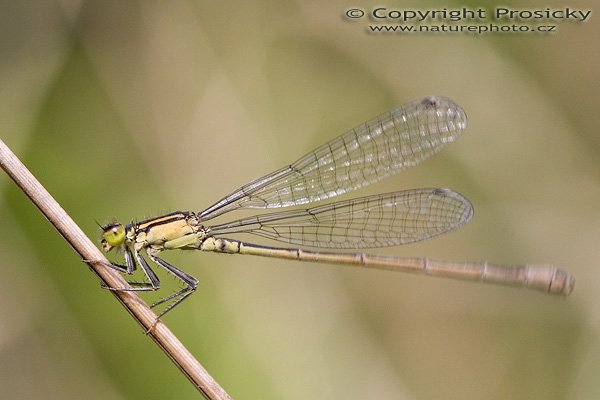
{"x":382,"y":220}
{"x":368,"y":153}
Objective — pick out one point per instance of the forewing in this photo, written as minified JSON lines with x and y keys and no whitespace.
{"x":368,"y":153}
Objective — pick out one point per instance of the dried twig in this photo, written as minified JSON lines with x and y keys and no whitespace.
{"x":158,"y":331}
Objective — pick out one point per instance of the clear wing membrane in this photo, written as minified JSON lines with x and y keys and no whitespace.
{"x":383,"y":220}
{"x":372,"y":151}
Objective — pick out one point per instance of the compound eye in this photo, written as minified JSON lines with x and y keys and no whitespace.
{"x":113,"y":236}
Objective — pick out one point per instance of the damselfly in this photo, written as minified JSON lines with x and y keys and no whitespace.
{"x":381,"y":147}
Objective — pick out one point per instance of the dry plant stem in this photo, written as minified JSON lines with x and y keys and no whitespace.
{"x":162,"y":336}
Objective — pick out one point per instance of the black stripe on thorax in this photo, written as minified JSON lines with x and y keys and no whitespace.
{"x":146,"y":225}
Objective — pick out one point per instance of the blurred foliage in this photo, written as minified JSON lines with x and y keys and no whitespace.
{"x":126,"y":110}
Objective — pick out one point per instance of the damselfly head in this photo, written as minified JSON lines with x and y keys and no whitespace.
{"x":113,"y":235}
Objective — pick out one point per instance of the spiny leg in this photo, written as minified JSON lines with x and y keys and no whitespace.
{"x":189,"y":281}
{"x":130,"y":267}
{"x":130,"y":259}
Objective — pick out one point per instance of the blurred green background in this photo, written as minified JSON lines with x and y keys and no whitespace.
{"x":131,"y":109}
